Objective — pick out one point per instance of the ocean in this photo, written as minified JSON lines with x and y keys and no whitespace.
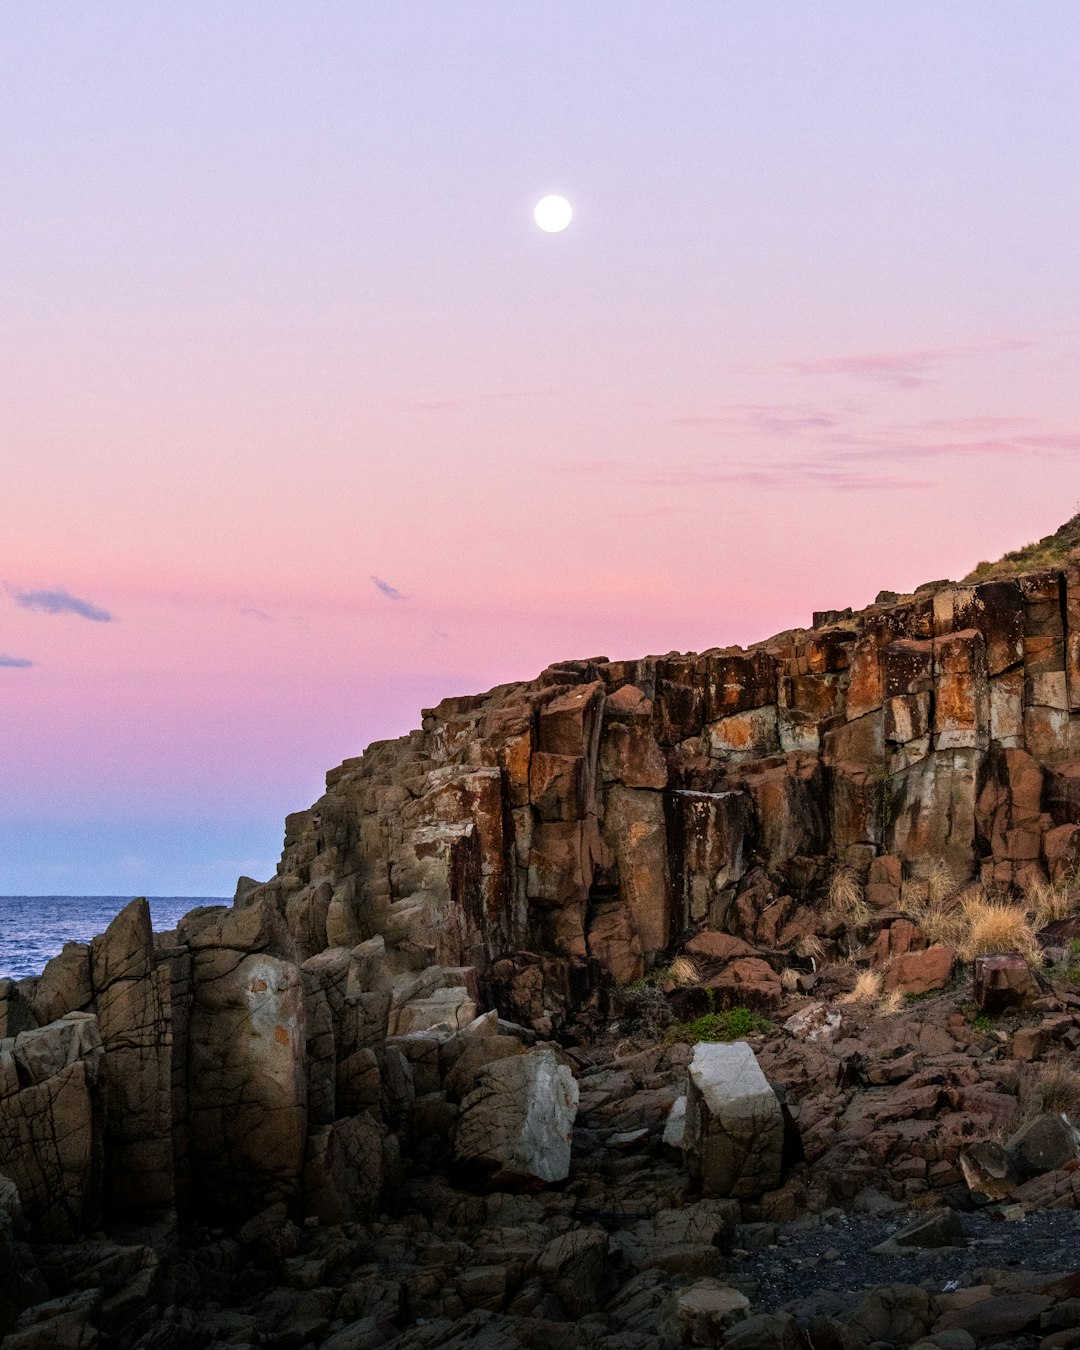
{"x":33,"y":928}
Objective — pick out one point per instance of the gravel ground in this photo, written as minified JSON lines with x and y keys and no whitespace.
{"x":833,"y":1252}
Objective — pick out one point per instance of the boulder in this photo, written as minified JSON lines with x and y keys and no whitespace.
{"x":575,"y":1268}
{"x":706,"y":1309}
{"x":1003,"y":982}
{"x":920,"y":972}
{"x":516,"y":1124}
{"x":1043,"y":1145}
{"x":51,"y":1111}
{"x":941,"y":1228}
{"x":734,"y":1132}
{"x":343,"y":1172}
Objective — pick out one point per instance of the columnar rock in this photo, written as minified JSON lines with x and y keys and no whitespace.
{"x":51,"y":1118}
{"x":132,"y":1001}
{"x":516,"y":1125}
{"x":247,"y":1085}
{"x":733,"y":1137}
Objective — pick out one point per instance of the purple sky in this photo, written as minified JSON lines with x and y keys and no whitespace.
{"x":305,"y":424}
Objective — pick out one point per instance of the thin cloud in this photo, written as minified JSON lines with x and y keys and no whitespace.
{"x":900,"y":370}
{"x":60,"y":601}
{"x":258,"y":614}
{"x":909,"y":369}
{"x":790,"y":477}
{"x":777,"y":419}
{"x":384,"y":588}
{"x":15,"y":662}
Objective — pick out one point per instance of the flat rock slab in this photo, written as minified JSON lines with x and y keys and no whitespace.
{"x":734,"y":1132}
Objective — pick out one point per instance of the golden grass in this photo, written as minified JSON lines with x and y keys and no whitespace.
{"x":942,"y":883}
{"x":845,"y":900}
{"x":1049,"y":902}
{"x":1041,"y":1088}
{"x":992,"y":925}
{"x":789,"y":980}
{"x":867,"y":988}
{"x":683,"y":971}
{"x":891,"y":1003}
{"x":935,"y":907}
{"x":810,"y":947}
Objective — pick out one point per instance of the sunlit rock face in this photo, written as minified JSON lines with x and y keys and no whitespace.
{"x":606,"y":809}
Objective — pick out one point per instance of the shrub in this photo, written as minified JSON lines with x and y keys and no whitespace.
{"x":647,"y":1009}
{"x":733,"y":1025}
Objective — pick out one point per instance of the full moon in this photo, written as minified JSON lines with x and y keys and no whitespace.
{"x":553,"y":214}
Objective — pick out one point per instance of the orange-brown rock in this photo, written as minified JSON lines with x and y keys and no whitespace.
{"x":920,"y":972}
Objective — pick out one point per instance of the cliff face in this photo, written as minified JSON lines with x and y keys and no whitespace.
{"x":528,"y":851}
{"x":606,"y":811}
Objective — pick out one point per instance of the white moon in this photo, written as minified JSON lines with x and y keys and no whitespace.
{"x":553,"y":214}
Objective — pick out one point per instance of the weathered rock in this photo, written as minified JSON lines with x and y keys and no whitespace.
{"x":920,"y":972}
{"x":132,"y":999}
{"x":1002,"y":982}
{"x":576,"y":1269}
{"x":941,"y":1228}
{"x":51,"y":1136}
{"x":516,"y":1124}
{"x":247,"y":1082}
{"x":343,"y":1172}
{"x":705,"y":1310}
{"x":1043,"y":1145}
{"x":734,"y":1131}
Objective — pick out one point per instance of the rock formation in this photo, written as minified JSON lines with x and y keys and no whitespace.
{"x":414,"y":1076}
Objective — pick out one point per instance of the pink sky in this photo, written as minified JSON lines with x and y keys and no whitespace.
{"x":277,"y":321}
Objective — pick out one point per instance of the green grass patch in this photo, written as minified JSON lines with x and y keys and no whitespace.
{"x":733,"y":1025}
{"x":983,"y":1022}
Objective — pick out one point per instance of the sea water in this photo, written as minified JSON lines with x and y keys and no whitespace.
{"x":34,"y":928}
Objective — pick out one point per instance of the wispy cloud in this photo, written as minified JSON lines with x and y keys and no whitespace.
{"x":784,"y":476}
{"x":774,"y":419}
{"x":384,"y":588}
{"x":15,"y":662}
{"x":910,"y":369}
{"x":901,"y":370}
{"x":60,"y":601}
{"x":260,"y":615}
{"x":792,"y":447}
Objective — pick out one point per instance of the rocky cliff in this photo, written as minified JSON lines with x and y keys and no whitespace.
{"x":445,"y":994}
{"x":602,"y":814}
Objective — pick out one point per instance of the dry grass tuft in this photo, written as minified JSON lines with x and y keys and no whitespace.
{"x":846,"y":900}
{"x":810,"y":947}
{"x":1041,"y":1088}
{"x":867,"y":988}
{"x":683,"y":971}
{"x":1049,"y":902}
{"x":891,"y":1003}
{"x":937,"y":911}
{"x":942,"y":883}
{"x":789,"y":979}
{"x":992,"y":926}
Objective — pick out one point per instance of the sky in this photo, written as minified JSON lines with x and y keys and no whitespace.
{"x":305,"y":425}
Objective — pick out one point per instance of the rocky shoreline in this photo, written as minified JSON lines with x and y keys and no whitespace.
{"x":631,"y":1007}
